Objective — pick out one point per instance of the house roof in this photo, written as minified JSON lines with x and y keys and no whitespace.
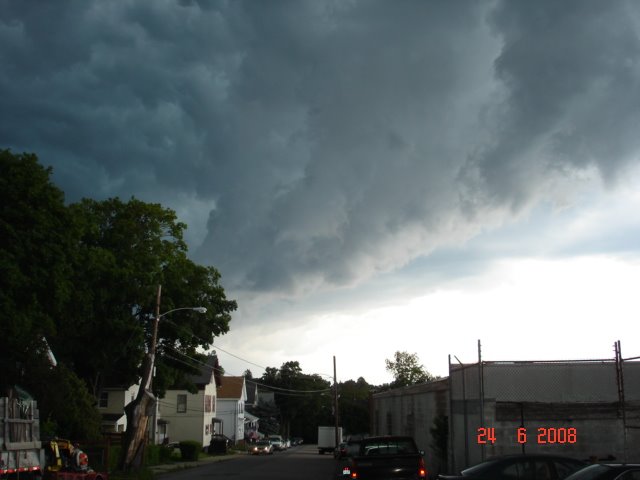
{"x":252,"y":391}
{"x":206,"y":372}
{"x":232,"y":387}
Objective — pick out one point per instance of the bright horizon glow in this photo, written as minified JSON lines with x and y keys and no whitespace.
{"x":521,"y":309}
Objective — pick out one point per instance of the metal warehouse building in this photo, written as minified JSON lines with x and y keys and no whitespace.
{"x":582,"y":409}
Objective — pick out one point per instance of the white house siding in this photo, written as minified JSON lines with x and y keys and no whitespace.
{"x":117,"y":399}
{"x":195,"y":423}
{"x":231,"y":412}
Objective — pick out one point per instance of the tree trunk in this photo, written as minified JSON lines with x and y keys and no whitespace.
{"x":139,"y":411}
{"x":137,"y":427}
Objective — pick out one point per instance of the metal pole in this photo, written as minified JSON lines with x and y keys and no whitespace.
{"x":481,"y":395}
{"x":621,"y":399}
{"x":335,"y":400}
{"x":452,"y":457}
{"x":464,"y":410}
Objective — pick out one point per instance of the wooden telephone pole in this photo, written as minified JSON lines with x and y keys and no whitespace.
{"x":335,"y":402}
{"x":142,"y":407}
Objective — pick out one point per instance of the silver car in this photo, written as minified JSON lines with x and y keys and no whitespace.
{"x":261,"y":447}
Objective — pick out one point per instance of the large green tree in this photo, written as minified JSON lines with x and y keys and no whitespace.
{"x":303,"y":400}
{"x":123,"y":251}
{"x":407,"y":370}
{"x":354,"y":406}
{"x":36,"y":287}
{"x":85,"y":276}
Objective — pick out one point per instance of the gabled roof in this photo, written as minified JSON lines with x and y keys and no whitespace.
{"x":232,"y":388}
{"x":205,"y":377}
{"x":252,"y":391}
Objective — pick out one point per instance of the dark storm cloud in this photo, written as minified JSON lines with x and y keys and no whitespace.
{"x":321,"y":142}
{"x":571,"y":72}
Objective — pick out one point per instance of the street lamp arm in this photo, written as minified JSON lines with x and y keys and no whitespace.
{"x":196,"y":309}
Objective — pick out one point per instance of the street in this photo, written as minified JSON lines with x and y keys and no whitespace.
{"x":293,"y":464}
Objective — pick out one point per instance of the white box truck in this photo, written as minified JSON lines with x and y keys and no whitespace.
{"x":327,"y":439}
{"x":20,"y":449}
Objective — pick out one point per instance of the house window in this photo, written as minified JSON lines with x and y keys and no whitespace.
{"x":103,"y":402}
{"x":182,"y":404}
{"x":207,"y":403}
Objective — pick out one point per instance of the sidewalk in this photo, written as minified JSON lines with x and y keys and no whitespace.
{"x":178,"y":465}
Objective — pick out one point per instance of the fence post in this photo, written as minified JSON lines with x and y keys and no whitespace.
{"x":481,"y":395}
{"x":621,"y":399}
{"x":452,"y":456}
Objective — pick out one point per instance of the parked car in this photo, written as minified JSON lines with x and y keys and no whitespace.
{"x":386,"y":457}
{"x":219,"y":444}
{"x":508,"y":467}
{"x":341,"y":450}
{"x":607,"y":471}
{"x":276,"y":441}
{"x":261,"y":447}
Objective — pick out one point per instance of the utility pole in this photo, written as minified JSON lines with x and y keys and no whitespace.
{"x":335,"y":401}
{"x":140,"y":409}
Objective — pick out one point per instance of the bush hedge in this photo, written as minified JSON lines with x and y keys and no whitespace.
{"x":189,"y":449}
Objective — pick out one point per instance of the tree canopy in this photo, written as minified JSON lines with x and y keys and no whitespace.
{"x":407,"y":370}
{"x":303,"y":400}
{"x":84,"y":276}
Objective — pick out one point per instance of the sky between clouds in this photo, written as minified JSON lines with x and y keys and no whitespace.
{"x":412,"y":175}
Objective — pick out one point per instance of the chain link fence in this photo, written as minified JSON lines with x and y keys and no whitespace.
{"x":586,"y":409}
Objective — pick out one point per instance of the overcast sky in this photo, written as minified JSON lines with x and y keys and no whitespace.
{"x":368,"y":176}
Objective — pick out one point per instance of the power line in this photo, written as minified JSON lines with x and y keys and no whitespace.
{"x":279,"y":389}
{"x":240,"y":358}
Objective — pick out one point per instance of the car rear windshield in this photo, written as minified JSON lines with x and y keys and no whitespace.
{"x":392,"y":446}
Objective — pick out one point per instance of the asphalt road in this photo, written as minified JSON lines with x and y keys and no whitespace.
{"x":301,"y":462}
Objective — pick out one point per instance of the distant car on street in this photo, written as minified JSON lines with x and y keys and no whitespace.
{"x":608,"y":471}
{"x":277,"y":442}
{"x":261,"y":447}
{"x":508,"y":467}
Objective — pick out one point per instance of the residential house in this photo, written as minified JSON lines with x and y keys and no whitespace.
{"x":192,"y":416}
{"x":232,"y":396}
{"x":252,"y":392}
{"x":111,"y":403}
{"x":251,"y":421}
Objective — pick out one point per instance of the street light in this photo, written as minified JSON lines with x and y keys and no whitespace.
{"x":195,"y":309}
{"x":154,"y":425}
{"x":138,"y":410}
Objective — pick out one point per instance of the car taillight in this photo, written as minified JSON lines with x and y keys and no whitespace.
{"x":422,"y":469}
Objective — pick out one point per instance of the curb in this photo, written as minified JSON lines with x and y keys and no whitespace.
{"x":173,"y":467}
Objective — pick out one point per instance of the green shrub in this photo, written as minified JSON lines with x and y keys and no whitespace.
{"x":153,"y":455}
{"x":114,"y":457}
{"x":165,"y":454}
{"x":190,"y":450}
